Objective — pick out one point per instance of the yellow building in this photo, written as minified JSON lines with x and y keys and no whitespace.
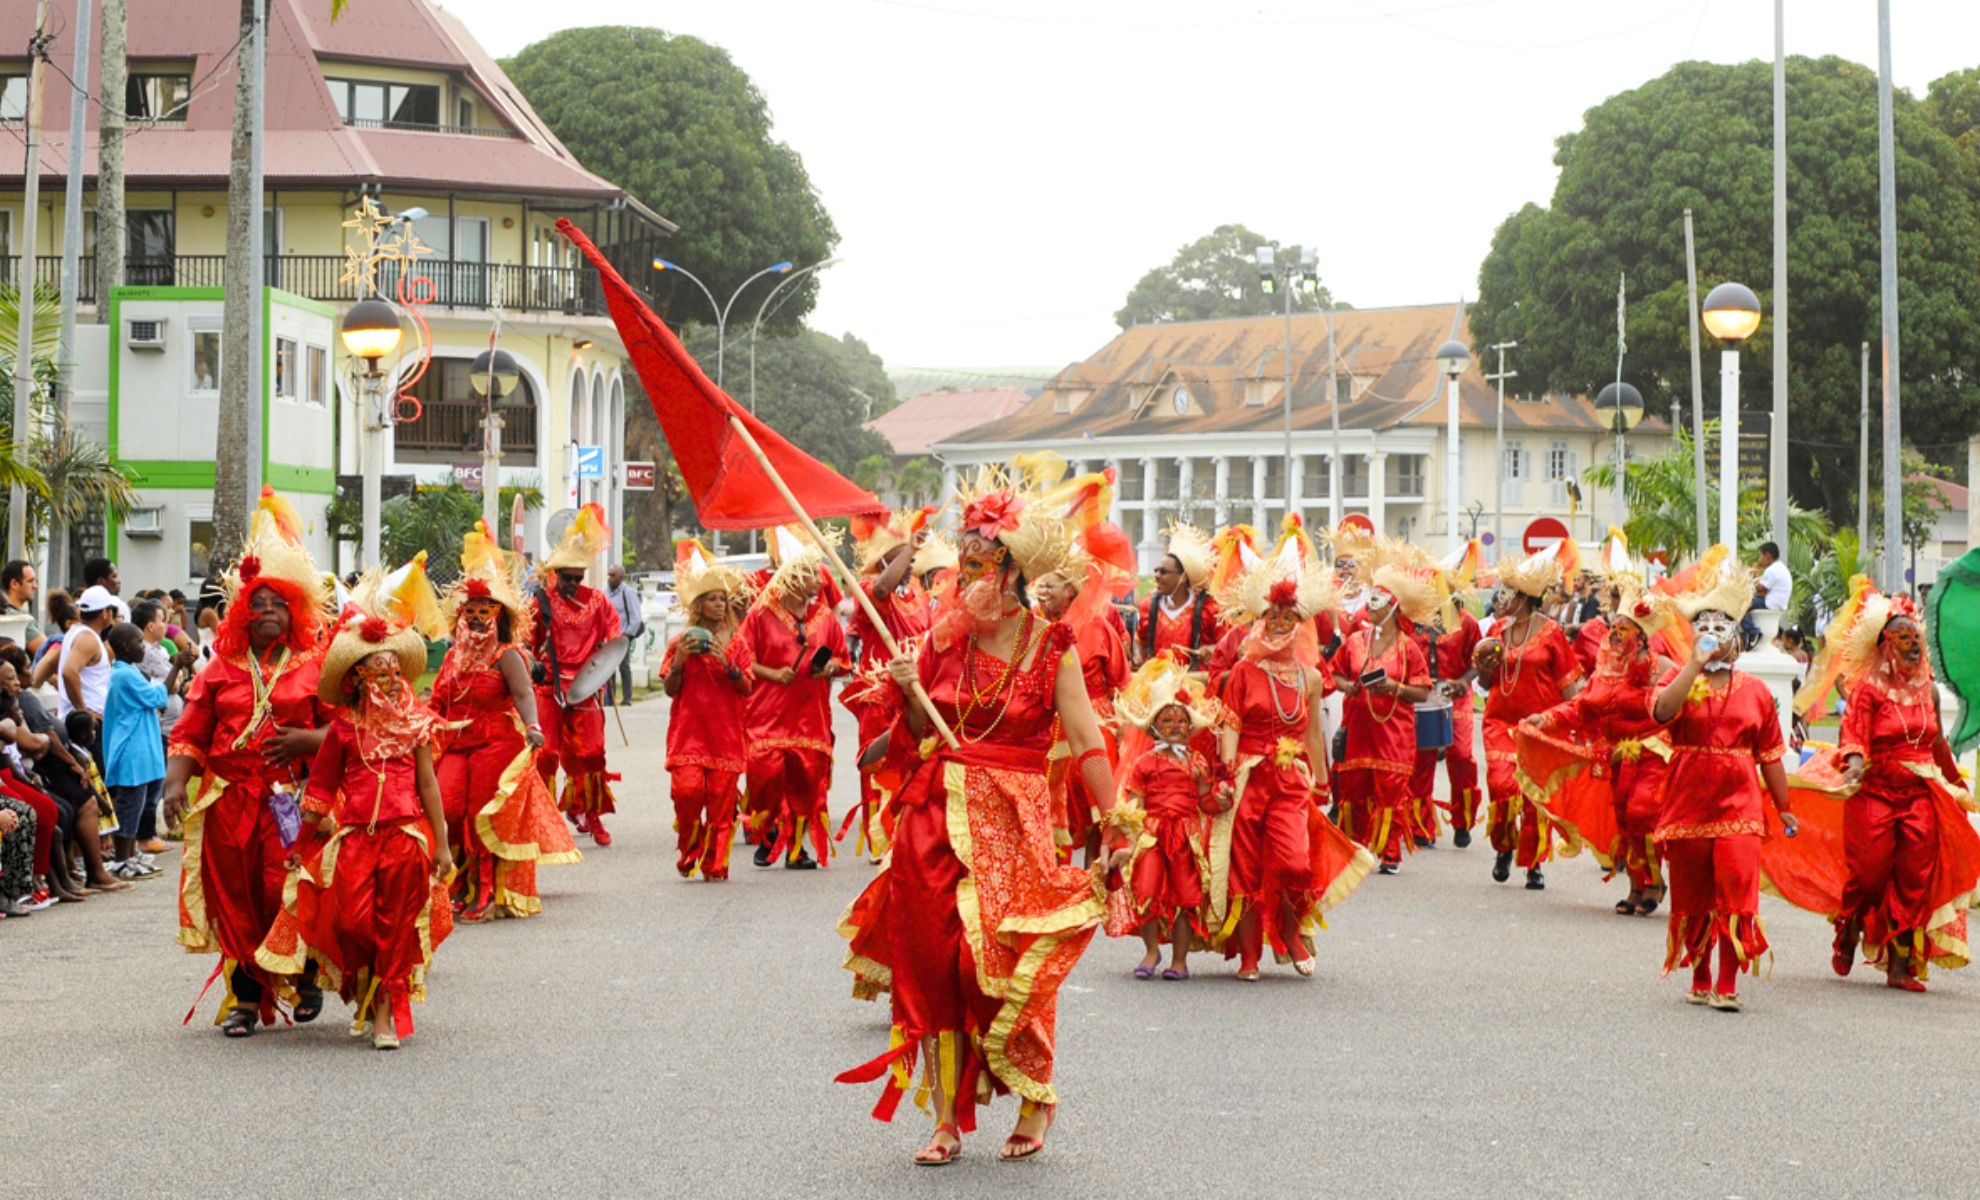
{"x":395,"y":101}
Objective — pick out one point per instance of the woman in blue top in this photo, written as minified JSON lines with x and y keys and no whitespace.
{"x":133,"y":744}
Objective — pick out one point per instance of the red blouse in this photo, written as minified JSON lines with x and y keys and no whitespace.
{"x":1167,"y":785}
{"x":1173,"y":630}
{"x":1713,"y":786}
{"x":1102,"y":662}
{"x":481,"y":698}
{"x":576,"y":627}
{"x":1381,"y":730}
{"x":1533,"y":675}
{"x":906,"y":613}
{"x":1889,"y":728}
{"x":705,"y":722}
{"x":1267,"y":710}
{"x":360,"y":791}
{"x":995,"y":711}
{"x":221,"y":704}
{"x":797,"y":715}
{"x":1588,"y":643}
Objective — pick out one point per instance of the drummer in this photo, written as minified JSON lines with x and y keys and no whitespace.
{"x":1381,"y":674}
{"x":576,"y":624}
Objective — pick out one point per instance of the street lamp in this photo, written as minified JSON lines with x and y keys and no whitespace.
{"x":1452,"y":358}
{"x":1731,"y":313}
{"x":1621,"y":407}
{"x":370,"y":332}
{"x":764,"y":307}
{"x":1300,"y":273}
{"x":721,"y":310}
{"x":493,"y":374}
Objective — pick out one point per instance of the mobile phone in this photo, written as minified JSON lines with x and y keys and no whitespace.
{"x":820,"y":658}
{"x":1371,"y":678}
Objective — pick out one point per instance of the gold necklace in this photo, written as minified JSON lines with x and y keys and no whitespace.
{"x":1006,"y":683}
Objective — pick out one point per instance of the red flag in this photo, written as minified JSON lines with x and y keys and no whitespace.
{"x":730,"y":488}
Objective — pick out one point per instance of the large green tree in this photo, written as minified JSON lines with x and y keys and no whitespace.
{"x":676,"y":123}
{"x":1213,"y":276}
{"x":1700,"y":137}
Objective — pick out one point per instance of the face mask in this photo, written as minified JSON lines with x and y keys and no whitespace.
{"x":984,"y":601}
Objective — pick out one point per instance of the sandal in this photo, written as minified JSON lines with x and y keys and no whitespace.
{"x":1248,"y":974}
{"x":308,"y":1005}
{"x":1626,"y":907}
{"x":1147,"y":970}
{"x":1904,"y":983}
{"x":239,"y":1022}
{"x":1698,"y":996}
{"x":1305,"y":966}
{"x":1651,"y":899}
{"x":1176,"y":976}
{"x":943,"y":1155}
{"x":1020,"y":1146}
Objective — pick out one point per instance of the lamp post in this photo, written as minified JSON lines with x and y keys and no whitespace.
{"x":1452,"y":358}
{"x":1499,"y":449}
{"x":1621,"y":406}
{"x":1300,"y":272}
{"x":721,"y":310}
{"x":370,"y":332}
{"x":1731,"y":313}
{"x":493,"y":374}
{"x":764,"y":307}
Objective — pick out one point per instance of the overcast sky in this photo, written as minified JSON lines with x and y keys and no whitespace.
{"x":1002,"y":171}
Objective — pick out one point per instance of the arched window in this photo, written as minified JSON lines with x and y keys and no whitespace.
{"x":449,"y":425}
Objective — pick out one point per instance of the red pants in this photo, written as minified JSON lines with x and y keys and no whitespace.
{"x":1889,"y":834}
{"x":704,"y":819}
{"x":574,"y":739}
{"x":1715,"y":900}
{"x":787,"y":789}
{"x":46,"y":816}
{"x":1460,"y":768}
{"x":1376,"y":810}
{"x":1272,"y":858}
{"x":367,"y":922}
{"x":242,"y":870}
{"x":1514,"y":825}
{"x":1166,"y":879}
{"x":469,"y":777}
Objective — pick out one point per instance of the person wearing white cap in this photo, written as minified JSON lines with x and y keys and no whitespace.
{"x":85,"y":664}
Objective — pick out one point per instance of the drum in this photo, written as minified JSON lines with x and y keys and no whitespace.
{"x":1434,"y":730}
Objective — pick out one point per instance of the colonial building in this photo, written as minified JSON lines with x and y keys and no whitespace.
{"x":395,"y":101}
{"x":1192,"y":415}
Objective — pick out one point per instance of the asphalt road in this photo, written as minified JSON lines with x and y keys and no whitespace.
{"x":648,"y":1036}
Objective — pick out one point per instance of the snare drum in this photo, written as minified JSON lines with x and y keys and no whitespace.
{"x":1434,"y":730}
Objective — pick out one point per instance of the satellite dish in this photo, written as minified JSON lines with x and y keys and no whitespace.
{"x":557,"y":524}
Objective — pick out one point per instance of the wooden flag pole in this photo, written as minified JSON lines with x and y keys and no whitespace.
{"x":852,"y":585}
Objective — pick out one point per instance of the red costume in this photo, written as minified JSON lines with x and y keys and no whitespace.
{"x":501,"y":817}
{"x":906,"y":613}
{"x":707,"y":753}
{"x":1284,"y":856}
{"x":233,"y":867}
{"x":1103,"y":669}
{"x":975,"y":922}
{"x":1375,"y":773}
{"x":568,"y":632}
{"x":1451,"y":661}
{"x":1713,"y":818}
{"x":790,"y":725}
{"x":1171,"y":858}
{"x":1532,"y":677}
{"x":1193,"y":626}
{"x":1588,"y":639}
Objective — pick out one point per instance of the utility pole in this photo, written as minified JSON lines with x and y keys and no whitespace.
{"x":113,"y":74}
{"x":1893,"y":571}
{"x":1499,"y":449}
{"x":1863,"y":456}
{"x":72,"y":236}
{"x":1334,"y":502}
{"x":24,"y":346}
{"x":1777,"y":453}
{"x":241,"y":373}
{"x":1697,"y":390}
{"x":256,"y":70}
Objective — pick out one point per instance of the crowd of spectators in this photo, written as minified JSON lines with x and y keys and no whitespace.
{"x":88,"y":692}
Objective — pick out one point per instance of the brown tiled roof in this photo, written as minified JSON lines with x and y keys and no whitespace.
{"x":1395,"y":372}
{"x":308,"y":144}
{"x":919,"y":422}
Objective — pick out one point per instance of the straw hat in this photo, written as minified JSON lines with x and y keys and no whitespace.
{"x":274,"y":551}
{"x":999,"y":505}
{"x":937,"y":553}
{"x":395,"y":613}
{"x":1418,"y":591}
{"x":696,"y":574}
{"x":1160,"y":682}
{"x":1534,"y":574}
{"x":1190,"y":546}
{"x":1236,"y":550}
{"x":794,"y":553}
{"x":1292,"y":577}
{"x":1725,"y":588}
{"x":489,"y":573}
{"x":586,"y":539}
{"x":874,"y":538}
{"x":1647,"y":610}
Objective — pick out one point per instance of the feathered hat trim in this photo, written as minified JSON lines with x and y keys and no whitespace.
{"x":1160,"y":682}
{"x":586,"y":539}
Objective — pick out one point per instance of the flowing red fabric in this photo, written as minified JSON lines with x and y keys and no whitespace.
{"x":730,"y":488}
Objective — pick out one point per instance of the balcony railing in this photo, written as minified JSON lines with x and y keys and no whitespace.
{"x":424,"y":127}
{"x":571,"y":291}
{"x":450,"y":430}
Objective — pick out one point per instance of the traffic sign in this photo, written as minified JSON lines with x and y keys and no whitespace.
{"x":641,"y":476}
{"x":590,"y":462}
{"x":1544,"y":533}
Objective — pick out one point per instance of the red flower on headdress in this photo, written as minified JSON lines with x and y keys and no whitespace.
{"x":1283,"y":594}
{"x":374,"y":629}
{"x":250,"y":568}
{"x":1902,"y":605}
{"x":994,"y":514}
{"x":476,"y":589}
{"x":1641,"y":609}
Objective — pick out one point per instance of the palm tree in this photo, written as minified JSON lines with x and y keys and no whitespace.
{"x":1661,"y":494}
{"x":79,"y":480}
{"x":918,"y":481}
{"x":17,"y":467}
{"x":874,"y":472}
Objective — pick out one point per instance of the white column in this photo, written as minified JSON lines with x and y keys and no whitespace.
{"x":1297,"y":467}
{"x":1114,"y":505}
{"x":1258,"y":492}
{"x":1378,"y":490}
{"x":1185,"y":483}
{"x":1452,"y":500}
{"x":1224,"y":487}
{"x":1151,"y":531}
{"x":1336,"y":481}
{"x":948,"y":483}
{"x":1729,"y":448}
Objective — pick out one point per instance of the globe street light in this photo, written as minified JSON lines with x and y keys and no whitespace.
{"x":1621,"y":407}
{"x":721,"y":310}
{"x":371,"y":332}
{"x":1452,"y":358}
{"x":1731,"y":313}
{"x":493,"y":374}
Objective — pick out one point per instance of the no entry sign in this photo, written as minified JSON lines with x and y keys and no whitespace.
{"x":1544,"y":533}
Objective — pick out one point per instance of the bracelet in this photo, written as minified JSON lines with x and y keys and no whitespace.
{"x":1079,"y":764}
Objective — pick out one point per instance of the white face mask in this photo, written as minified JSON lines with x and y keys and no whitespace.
{"x":1724,"y":630}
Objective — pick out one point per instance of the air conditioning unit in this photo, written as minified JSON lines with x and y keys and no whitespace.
{"x":145,"y":521}
{"x":146,"y":334}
